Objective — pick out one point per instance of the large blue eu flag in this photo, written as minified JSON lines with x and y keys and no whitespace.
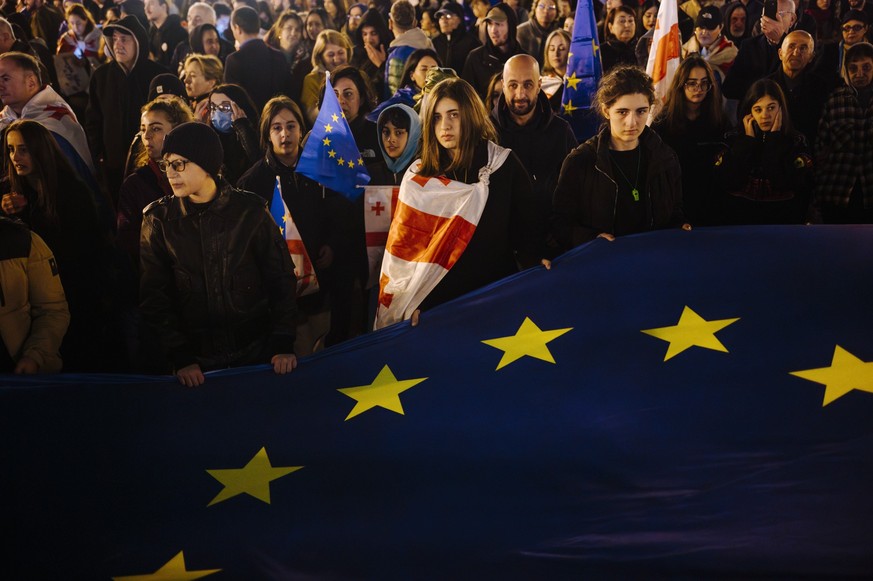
{"x":583,"y":73}
{"x":330,"y":156}
{"x":672,"y":405}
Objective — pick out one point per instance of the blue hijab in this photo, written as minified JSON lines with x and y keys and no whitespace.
{"x":402,"y":162}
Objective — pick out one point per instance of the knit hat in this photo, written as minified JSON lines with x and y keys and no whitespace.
{"x":167,"y":84}
{"x":196,"y":142}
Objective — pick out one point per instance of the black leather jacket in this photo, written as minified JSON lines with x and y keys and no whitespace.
{"x":217,"y":281}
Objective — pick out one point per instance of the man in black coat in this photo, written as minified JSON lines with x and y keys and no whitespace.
{"x":118,"y":90}
{"x":259,"y":69}
{"x":500,"y":44}
{"x":453,"y":44}
{"x":526,"y":124}
{"x":165,"y":31}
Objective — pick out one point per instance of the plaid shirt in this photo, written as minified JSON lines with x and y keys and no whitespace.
{"x":845,"y":155}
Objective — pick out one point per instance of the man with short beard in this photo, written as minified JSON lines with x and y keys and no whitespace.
{"x":526,"y":124}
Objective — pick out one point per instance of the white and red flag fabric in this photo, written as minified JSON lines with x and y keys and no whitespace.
{"x":307,"y":282}
{"x":379,"y":205}
{"x":665,"y":53}
{"x":434,"y":220}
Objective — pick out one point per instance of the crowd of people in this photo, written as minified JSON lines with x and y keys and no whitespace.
{"x":154,"y":221}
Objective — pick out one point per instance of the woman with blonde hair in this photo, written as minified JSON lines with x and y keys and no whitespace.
{"x":201,"y":73}
{"x":556,"y":53}
{"x":478,"y":183}
{"x":331,"y":50}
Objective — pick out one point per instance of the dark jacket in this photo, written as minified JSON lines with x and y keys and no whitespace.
{"x":454,"y":48}
{"x":586,"y":199}
{"x":141,"y":188}
{"x":163,"y":40}
{"x":613,"y":52}
{"x":259,"y":69}
{"x":805,"y":97}
{"x":194,"y":45}
{"x":485,"y":61}
{"x":756,"y":59}
{"x":531,"y":37}
{"x":241,"y":149}
{"x":115,"y":99}
{"x":217,"y":284}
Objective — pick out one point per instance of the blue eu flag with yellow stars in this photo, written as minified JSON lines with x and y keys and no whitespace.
{"x":670,"y":405}
{"x":583,"y":73}
{"x":330,"y":156}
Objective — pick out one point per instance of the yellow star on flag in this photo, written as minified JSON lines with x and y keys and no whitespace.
{"x":331,"y":153}
{"x":692,"y":330}
{"x":384,"y":392}
{"x":594,"y":46}
{"x":573,"y":80}
{"x":335,"y":117}
{"x":351,"y":164}
{"x":253,"y":479}
{"x":569,"y":108}
{"x":326,"y":141}
{"x":328,"y":128}
{"x":529,"y":340}
{"x":341,"y":161}
{"x":360,"y":161}
{"x":845,"y":374}
{"x":174,"y":570}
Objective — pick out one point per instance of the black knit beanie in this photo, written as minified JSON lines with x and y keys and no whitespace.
{"x":196,"y":142}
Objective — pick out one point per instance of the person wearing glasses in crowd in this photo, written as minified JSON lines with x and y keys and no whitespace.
{"x":217,"y":285}
{"x":710,"y":43}
{"x":624,"y":180}
{"x":453,"y":43}
{"x":233,"y":116}
{"x":353,"y":19}
{"x":532,"y":34}
{"x":693,"y":123}
{"x":831,"y":63}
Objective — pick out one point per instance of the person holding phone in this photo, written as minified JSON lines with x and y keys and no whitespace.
{"x":766,"y":167}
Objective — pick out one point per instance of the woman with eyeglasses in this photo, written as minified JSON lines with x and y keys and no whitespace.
{"x":624,"y":180}
{"x":532,"y":34}
{"x":692,"y":122}
{"x":766,"y":167}
{"x":217,"y":285}
{"x":619,"y":47}
{"x":232,"y":115}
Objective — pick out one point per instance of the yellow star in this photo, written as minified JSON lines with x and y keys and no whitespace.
{"x":383,"y":392}
{"x":341,"y":161}
{"x":691,"y":330}
{"x":331,"y":153}
{"x":343,"y":114}
{"x":360,"y":161}
{"x":351,"y":164}
{"x":569,"y":108}
{"x":328,"y":128}
{"x":326,"y":141}
{"x":281,"y":230}
{"x":529,"y":340}
{"x":252,"y":479}
{"x":594,"y":46}
{"x":573,"y":80}
{"x":845,"y":374}
{"x":174,"y":570}
{"x":334,"y":117}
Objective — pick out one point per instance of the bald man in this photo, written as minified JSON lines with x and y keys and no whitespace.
{"x":805,"y":91}
{"x":526,"y":125}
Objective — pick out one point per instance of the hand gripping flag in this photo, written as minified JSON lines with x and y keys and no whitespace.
{"x":583,"y":73}
{"x":307,"y":283}
{"x":665,"y":52}
{"x":331,"y":156}
{"x":379,"y":205}
{"x":435,"y":220}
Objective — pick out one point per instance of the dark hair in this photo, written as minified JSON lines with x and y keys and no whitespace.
{"x":83,"y":13}
{"x":396,"y":117}
{"x":50,"y":166}
{"x":857,"y":52}
{"x":239,"y":96}
{"x":674,"y":113}
{"x":476,"y":126}
{"x":322,"y":15}
{"x":620,"y":81}
{"x":368,"y":99}
{"x":247,"y":19}
{"x":611,"y":15}
{"x":760,"y":89}
{"x":271,"y":109}
{"x":177,"y":112}
{"x":25,"y":62}
{"x":412,"y":62}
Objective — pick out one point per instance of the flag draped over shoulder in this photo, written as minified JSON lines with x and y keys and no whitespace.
{"x":330,"y":155}
{"x":304,"y":271}
{"x":380,"y":203}
{"x":583,"y":74}
{"x":682,"y":405}
{"x":435,"y":220}
{"x":665,"y":53}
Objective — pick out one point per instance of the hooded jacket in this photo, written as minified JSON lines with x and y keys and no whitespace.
{"x":487,"y":60}
{"x":399,"y":51}
{"x":115,"y":98}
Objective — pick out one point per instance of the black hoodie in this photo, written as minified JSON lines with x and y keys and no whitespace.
{"x":115,"y":98}
{"x":485,"y":61}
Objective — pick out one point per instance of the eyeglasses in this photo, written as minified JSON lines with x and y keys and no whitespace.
{"x":703,"y":85}
{"x":447,"y":16}
{"x":178,"y":165}
{"x":355,"y":16}
{"x":547,"y":7}
{"x":225,"y":107}
{"x":853,"y":27}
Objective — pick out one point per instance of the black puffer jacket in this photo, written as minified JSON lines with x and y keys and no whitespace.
{"x":217,"y":281}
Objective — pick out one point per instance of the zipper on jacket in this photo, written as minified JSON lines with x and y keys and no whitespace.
{"x":615,"y":198}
